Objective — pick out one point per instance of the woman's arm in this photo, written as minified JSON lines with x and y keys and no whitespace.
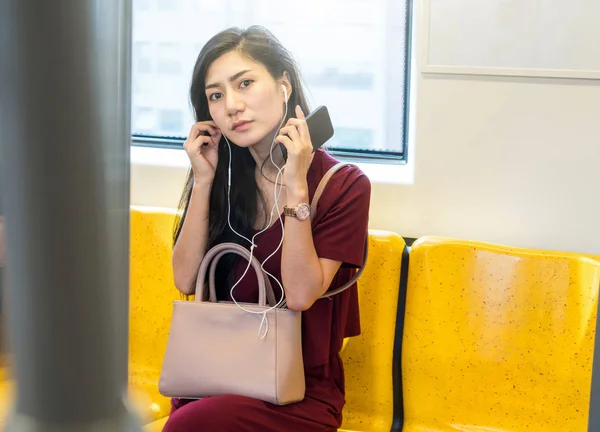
{"x":306,"y":277}
{"x":192,"y":242}
{"x":202,"y":150}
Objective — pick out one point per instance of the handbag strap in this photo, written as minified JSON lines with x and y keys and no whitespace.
{"x":213,"y":271}
{"x":323,"y":184}
{"x":354,"y":279}
{"x":217,"y":252}
{"x":313,"y":211}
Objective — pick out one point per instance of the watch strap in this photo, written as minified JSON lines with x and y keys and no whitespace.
{"x":289,"y":211}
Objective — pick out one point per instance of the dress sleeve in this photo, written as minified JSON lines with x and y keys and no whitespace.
{"x":341,"y":223}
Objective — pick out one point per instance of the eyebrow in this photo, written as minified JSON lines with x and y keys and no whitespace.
{"x":231,"y":78}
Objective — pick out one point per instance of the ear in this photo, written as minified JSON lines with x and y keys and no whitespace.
{"x":285,"y":82}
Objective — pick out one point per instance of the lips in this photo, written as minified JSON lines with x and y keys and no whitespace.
{"x":241,"y":125}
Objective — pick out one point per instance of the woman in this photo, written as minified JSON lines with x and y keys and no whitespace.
{"x":244,"y":83}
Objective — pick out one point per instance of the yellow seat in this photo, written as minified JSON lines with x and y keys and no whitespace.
{"x":497,"y":338}
{"x":156,"y":426}
{"x":368,"y":358}
{"x":152,"y":292}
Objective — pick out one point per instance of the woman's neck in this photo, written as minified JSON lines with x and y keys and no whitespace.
{"x":261,"y":152}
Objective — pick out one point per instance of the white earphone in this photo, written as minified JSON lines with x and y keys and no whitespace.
{"x":264,"y":324}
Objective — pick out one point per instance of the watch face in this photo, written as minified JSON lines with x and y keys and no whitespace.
{"x":303,"y":211}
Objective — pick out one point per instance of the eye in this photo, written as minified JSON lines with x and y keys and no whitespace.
{"x":214,"y":96}
{"x":246,"y":83}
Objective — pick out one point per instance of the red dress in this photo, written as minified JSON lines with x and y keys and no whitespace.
{"x":339,"y":231}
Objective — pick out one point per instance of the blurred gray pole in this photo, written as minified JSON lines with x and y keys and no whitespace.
{"x":64,"y":147}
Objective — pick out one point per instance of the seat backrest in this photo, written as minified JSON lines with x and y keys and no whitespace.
{"x":152,"y":288}
{"x":152,"y":292}
{"x":497,"y":338}
{"x":368,"y":357}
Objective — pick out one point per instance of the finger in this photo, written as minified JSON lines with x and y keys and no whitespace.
{"x":292,"y":132}
{"x":215,"y":134}
{"x":195,"y":130}
{"x":300,"y":113}
{"x":213,"y":125}
{"x":217,"y":137}
{"x":197,"y":144}
{"x":212,"y":129}
{"x":286,"y":141}
{"x":301,"y":126}
{"x":198,"y":130}
{"x":205,"y":141}
{"x":208,"y":122}
{"x":202,"y":128}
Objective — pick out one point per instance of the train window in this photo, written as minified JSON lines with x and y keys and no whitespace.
{"x":141,"y":4}
{"x":354,"y":58}
{"x":168,"y":5}
{"x":144,"y":119}
{"x":170,"y":121}
{"x":142,"y":58}
{"x":169,"y":59}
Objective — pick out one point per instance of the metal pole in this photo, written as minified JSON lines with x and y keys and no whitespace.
{"x":64,"y":146}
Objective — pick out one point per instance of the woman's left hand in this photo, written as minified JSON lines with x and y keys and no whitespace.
{"x":295,"y":137}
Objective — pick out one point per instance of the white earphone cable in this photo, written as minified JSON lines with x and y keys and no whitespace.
{"x":276,"y":194}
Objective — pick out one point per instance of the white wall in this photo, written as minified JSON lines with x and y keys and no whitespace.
{"x":507,"y":160}
{"x":515,"y":162}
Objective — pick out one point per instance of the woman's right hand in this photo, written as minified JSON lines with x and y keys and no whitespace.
{"x":203,"y":150}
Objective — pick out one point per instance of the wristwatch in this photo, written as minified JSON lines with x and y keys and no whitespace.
{"x":300,"y":212}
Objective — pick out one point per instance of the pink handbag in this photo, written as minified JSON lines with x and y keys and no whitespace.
{"x":217,"y":348}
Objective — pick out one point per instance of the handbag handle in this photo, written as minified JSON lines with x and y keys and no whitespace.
{"x":239,"y":250}
{"x":213,"y":271}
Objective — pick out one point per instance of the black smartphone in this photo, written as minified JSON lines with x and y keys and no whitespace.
{"x":320,"y":127}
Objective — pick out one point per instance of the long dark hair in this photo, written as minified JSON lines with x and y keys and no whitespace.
{"x":260,"y":45}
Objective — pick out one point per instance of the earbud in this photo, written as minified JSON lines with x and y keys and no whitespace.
{"x":285,"y":92}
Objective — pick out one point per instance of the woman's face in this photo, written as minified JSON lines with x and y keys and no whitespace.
{"x":244,"y":100}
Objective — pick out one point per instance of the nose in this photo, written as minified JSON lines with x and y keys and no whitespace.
{"x":233,"y":103}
